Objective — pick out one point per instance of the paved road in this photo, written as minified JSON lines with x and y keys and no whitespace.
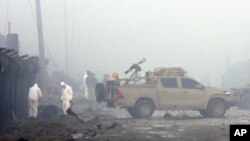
{"x":187,"y":124}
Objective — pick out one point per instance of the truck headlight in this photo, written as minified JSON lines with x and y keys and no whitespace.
{"x":228,"y":92}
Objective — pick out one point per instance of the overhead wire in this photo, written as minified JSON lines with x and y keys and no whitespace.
{"x":45,"y":44}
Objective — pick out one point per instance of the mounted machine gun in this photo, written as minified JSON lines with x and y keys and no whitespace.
{"x":135,"y":68}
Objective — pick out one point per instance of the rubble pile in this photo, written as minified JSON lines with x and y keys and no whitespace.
{"x":60,"y":128}
{"x":41,"y":129}
{"x":49,"y":111}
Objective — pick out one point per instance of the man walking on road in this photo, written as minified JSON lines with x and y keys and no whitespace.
{"x":91,"y":83}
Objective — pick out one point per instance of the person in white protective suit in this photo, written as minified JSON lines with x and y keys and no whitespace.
{"x":86,"y":91}
{"x":66,"y":97}
{"x":34,"y":94}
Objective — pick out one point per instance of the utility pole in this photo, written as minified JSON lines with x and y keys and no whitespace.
{"x":41,"y":47}
{"x":66,"y":39}
{"x":9,"y":27}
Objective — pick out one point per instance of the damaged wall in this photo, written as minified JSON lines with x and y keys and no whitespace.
{"x":17,"y":74}
{"x":2,"y":41}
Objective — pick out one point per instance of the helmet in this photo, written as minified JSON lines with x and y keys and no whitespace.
{"x":63,"y":84}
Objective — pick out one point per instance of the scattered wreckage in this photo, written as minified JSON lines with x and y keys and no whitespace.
{"x":163,"y":89}
{"x":244,"y":94}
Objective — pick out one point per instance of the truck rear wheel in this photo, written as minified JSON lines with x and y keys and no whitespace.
{"x":144,"y":109}
{"x":245,"y":101}
{"x":216,"y":108}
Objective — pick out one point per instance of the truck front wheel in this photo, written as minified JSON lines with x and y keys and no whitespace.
{"x":144,"y":109}
{"x":216,"y":108}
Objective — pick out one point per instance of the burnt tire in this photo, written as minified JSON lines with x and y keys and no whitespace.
{"x":100,"y":92}
{"x":245,"y":101}
{"x":204,"y":113}
{"x":144,"y":109}
{"x":216,"y":108}
{"x":131,"y":111}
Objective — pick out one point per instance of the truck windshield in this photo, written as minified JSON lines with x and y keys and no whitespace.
{"x":189,"y":83}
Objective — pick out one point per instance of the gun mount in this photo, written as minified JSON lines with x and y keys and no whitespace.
{"x":136,"y":67}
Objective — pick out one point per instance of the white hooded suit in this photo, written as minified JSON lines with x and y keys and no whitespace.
{"x":86,"y":91}
{"x":33,"y":97}
{"x":66,"y":97}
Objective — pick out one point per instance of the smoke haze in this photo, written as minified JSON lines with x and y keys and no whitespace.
{"x":108,"y":35}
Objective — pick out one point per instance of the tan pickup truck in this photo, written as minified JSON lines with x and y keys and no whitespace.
{"x":166,"y":93}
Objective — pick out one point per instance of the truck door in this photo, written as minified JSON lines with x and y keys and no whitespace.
{"x":192,"y":94}
{"x":168,"y":92}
